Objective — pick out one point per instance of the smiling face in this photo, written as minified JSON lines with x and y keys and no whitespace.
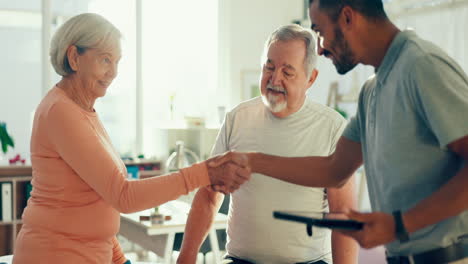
{"x":331,"y":41}
{"x":284,"y":80}
{"x":96,"y":68}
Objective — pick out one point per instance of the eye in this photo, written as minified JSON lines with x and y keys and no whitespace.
{"x":106,"y":60}
{"x":269,"y":68}
{"x":288,"y":74}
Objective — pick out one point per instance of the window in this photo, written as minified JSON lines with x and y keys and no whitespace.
{"x":117,"y":109}
{"x":179,"y":64}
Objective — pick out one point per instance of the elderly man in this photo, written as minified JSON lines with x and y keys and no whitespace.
{"x":410,"y":131}
{"x":280,"y":122}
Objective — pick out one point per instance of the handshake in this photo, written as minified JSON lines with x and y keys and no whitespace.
{"x":228,"y":171}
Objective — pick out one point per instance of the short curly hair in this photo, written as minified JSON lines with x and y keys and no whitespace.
{"x":84,"y":31}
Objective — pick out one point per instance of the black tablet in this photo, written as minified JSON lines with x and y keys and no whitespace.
{"x":327,"y":220}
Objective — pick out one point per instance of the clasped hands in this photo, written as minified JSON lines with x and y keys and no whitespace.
{"x":228,"y":171}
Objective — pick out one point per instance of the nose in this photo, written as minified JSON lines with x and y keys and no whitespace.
{"x":113,"y":69}
{"x":277,"y":78}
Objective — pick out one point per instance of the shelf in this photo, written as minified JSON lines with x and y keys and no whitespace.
{"x":20,"y":194}
{"x":19,"y":176}
{"x":6,"y":241}
{"x":15,"y":170}
{"x":142,"y":162}
{"x":149,"y":173}
{"x":18,"y":221}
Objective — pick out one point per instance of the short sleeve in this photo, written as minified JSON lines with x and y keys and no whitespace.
{"x":221,"y":144}
{"x":353,"y":129}
{"x":441,"y":89}
{"x":342,"y":124}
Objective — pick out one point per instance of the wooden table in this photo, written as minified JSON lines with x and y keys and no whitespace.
{"x":160,"y":238}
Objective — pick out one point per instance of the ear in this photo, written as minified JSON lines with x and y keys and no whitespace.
{"x":312,"y":78}
{"x":72,"y":56}
{"x":347,"y":17}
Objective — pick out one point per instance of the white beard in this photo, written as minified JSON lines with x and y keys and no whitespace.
{"x":272,"y":102}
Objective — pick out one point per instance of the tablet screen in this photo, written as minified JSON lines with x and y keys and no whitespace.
{"x":327,"y":220}
{"x":317,"y":215}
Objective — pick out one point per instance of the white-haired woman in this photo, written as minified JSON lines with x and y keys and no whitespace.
{"x":79,"y":181}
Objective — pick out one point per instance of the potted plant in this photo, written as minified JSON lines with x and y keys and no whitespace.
{"x":5,"y":138}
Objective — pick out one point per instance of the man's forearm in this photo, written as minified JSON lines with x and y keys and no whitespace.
{"x":202,"y":214}
{"x":331,"y":171}
{"x":306,"y":171}
{"x":450,"y":200}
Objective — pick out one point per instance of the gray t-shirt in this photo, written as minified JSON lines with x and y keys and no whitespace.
{"x":408,"y":112}
{"x":253,"y":233}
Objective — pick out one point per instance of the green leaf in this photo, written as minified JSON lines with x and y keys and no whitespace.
{"x":10,"y":141}
{"x":4,"y":144}
{"x":2,"y":138}
{"x":5,"y":139}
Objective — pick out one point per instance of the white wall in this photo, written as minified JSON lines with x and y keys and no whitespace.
{"x":20,"y":89}
{"x":245,"y":25}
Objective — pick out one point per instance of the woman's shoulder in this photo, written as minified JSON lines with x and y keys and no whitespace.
{"x":57,"y":103}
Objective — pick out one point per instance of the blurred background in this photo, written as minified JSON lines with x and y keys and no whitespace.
{"x":185,"y":63}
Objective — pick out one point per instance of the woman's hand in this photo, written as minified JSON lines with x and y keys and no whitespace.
{"x":228,"y":171}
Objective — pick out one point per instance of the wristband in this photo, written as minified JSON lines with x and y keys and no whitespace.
{"x":400,"y":230}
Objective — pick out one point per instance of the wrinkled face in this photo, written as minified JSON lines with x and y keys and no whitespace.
{"x":97,"y":68}
{"x":331,"y":42}
{"x":284,"y":81}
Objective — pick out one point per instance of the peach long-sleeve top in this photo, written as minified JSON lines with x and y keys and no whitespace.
{"x":80,"y":186}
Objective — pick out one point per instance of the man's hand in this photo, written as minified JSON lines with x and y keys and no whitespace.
{"x":239,"y":158}
{"x":379,"y":229}
{"x":228,"y":171}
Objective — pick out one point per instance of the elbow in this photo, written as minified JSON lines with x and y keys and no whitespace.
{"x":122,"y":202}
{"x":335,"y":182}
{"x":122,"y":207}
{"x":338,"y":179}
{"x":336,"y":176}
{"x":340,"y":183}
{"x":125,"y":210}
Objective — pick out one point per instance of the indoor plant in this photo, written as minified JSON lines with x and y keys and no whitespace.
{"x":5,"y":138}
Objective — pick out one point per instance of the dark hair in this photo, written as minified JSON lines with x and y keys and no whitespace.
{"x":369,"y":8}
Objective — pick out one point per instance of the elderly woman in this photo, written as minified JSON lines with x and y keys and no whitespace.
{"x":80,"y":184}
